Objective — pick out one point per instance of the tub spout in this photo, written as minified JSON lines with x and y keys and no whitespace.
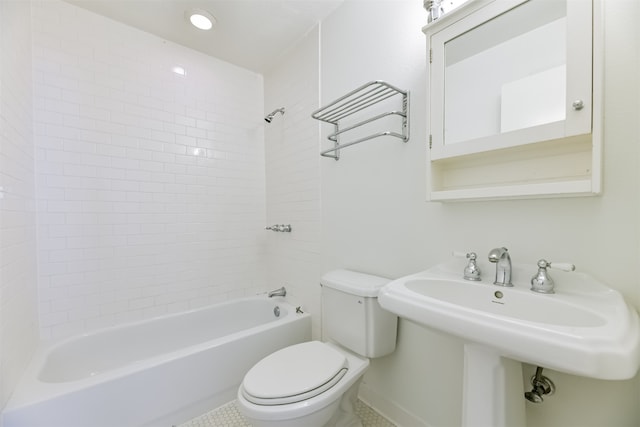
{"x":278,"y":292}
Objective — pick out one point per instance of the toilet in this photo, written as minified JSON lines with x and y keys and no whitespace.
{"x":315,"y":384}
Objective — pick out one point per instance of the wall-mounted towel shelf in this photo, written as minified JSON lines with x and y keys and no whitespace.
{"x":357,"y":100}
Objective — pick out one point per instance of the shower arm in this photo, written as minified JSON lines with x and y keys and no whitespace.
{"x":269,"y":117}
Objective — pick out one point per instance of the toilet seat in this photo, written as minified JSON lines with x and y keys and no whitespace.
{"x":294,"y":374}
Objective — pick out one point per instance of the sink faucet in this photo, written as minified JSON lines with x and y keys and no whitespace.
{"x":501,"y":257}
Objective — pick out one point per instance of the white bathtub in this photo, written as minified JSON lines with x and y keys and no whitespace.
{"x":158,"y":372}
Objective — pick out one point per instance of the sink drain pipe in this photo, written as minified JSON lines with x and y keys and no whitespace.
{"x":541,"y":387}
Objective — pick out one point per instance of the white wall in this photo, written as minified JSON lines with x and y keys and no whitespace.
{"x":375,"y":218}
{"x":18,"y":316}
{"x":374,"y":215}
{"x":293,"y":175}
{"x":150,"y":185}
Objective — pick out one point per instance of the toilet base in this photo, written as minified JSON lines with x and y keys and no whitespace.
{"x":345,"y":415}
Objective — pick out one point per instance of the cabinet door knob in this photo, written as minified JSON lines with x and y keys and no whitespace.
{"x":578,"y":104}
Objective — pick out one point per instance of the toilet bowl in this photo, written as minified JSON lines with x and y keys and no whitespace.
{"x":312,"y":384}
{"x":315,"y":384}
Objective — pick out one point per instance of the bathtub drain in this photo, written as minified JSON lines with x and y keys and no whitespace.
{"x":276,"y":311}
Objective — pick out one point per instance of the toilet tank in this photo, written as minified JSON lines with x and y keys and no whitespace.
{"x":351,"y":315}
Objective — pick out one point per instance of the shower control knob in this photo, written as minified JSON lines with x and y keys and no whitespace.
{"x":280,"y":228}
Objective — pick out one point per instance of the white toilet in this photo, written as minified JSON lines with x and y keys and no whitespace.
{"x":315,"y":384}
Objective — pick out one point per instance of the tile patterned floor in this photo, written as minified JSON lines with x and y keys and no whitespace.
{"x":371,"y":418}
{"x":229,"y":416}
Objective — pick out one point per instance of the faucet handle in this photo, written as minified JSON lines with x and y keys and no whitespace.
{"x":460,"y":254}
{"x":471,"y":271}
{"x":564,"y":266}
{"x":543,"y":283}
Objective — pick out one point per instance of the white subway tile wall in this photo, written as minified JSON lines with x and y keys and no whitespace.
{"x":18,"y":269}
{"x":293,"y":175}
{"x":150,"y":184}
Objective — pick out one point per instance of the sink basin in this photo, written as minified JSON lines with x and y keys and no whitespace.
{"x":511,"y":304}
{"x":585,"y":328}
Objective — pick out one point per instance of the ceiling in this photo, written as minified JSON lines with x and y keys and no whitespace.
{"x":250,"y":33}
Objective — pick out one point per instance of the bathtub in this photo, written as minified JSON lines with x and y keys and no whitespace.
{"x":158,"y":372}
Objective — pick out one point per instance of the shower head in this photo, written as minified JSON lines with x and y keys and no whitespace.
{"x":271,"y":115}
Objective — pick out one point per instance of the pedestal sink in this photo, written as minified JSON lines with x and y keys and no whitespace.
{"x":585,"y":328}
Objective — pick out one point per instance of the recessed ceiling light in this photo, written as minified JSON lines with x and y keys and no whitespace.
{"x":179,"y":70}
{"x":201,"y":19}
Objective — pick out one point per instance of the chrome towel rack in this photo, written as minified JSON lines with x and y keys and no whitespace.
{"x":357,"y":100}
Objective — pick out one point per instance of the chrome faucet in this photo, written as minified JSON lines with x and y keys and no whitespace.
{"x":286,"y":228}
{"x":542,"y":282}
{"x":278,"y":292}
{"x":471,"y":271}
{"x":500,"y":256}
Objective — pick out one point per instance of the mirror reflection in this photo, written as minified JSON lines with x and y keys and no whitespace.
{"x":508,"y":73}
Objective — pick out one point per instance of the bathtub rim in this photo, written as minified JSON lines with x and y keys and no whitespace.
{"x":30,"y":390}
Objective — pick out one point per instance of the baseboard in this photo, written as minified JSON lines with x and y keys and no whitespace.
{"x":389,"y":409}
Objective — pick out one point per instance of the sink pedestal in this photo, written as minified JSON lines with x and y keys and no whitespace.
{"x":493,"y":391}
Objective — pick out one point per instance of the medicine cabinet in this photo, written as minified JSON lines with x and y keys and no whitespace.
{"x":514,"y":100}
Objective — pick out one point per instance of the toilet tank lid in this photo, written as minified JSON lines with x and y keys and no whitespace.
{"x":353,"y":282}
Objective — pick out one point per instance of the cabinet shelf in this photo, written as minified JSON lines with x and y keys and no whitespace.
{"x":355,"y":101}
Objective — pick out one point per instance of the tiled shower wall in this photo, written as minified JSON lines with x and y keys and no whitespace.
{"x":151,"y":194}
{"x":293,"y":174}
{"x":18,"y":315}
